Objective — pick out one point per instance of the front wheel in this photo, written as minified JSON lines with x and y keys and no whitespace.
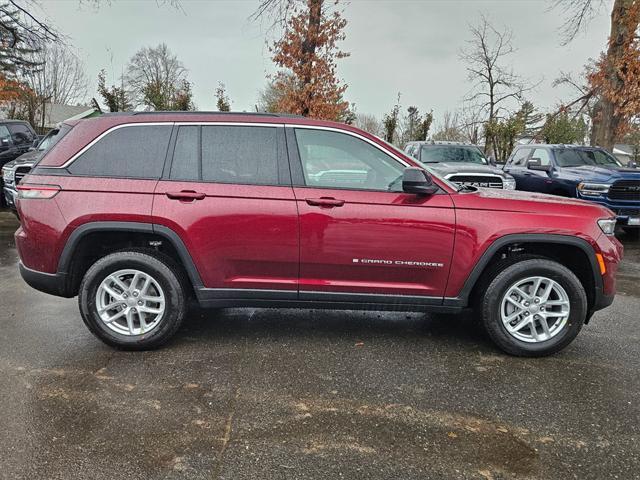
{"x":132,"y":300}
{"x":534,"y":308}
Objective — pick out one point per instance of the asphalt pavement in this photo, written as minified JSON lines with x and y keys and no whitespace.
{"x":292,"y":394}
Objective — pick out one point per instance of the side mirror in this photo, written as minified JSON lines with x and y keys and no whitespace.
{"x":35,"y":143}
{"x":492,"y":161}
{"x":418,"y":181}
{"x":5,"y":142}
{"x":536,"y":164}
{"x":632,"y":164}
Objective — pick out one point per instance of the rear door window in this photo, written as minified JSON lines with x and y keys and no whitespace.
{"x":243,"y":155}
{"x":240,"y":154}
{"x":137,"y":151}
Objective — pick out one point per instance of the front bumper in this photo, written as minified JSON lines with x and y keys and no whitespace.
{"x":625,"y":211}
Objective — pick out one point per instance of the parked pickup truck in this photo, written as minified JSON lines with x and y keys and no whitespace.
{"x":15,"y":170}
{"x":588,"y":173}
{"x":136,"y":213}
{"x":460,"y":163}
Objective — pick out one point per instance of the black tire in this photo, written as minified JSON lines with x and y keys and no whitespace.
{"x":508,"y":273}
{"x":169,"y":277}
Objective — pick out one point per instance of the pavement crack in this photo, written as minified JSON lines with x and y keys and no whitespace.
{"x":228,"y":428}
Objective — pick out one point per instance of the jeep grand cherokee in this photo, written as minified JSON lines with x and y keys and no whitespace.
{"x":134,"y":213}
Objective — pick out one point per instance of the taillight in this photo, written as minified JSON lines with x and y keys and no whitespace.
{"x":37,"y":191}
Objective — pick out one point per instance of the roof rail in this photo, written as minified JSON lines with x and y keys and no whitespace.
{"x":183,"y":112}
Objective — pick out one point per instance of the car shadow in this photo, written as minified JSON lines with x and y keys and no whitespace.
{"x":333,"y":325}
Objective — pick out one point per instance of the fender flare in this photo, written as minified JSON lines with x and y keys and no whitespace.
{"x":69,"y":248}
{"x":483,"y":262}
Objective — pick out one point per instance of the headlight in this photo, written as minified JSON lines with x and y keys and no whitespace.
{"x":593,"y":189}
{"x":7,"y":175}
{"x":509,"y":183}
{"x":607,"y":225}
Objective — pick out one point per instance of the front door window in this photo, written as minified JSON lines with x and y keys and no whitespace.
{"x":338,"y":160}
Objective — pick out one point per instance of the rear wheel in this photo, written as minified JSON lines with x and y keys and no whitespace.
{"x":132,"y":300}
{"x":533,"y":307}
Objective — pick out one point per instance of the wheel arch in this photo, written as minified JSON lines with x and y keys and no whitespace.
{"x":590,"y":277}
{"x":146,"y":231}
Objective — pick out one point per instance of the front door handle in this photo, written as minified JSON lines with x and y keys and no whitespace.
{"x":186,"y":195}
{"x":325,"y":202}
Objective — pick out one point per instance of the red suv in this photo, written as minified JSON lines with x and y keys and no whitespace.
{"x":136,"y":212}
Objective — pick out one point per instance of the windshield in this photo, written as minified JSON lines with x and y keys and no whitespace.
{"x":46,"y":141}
{"x":53,"y":137}
{"x":452,"y":154}
{"x":576,"y":157}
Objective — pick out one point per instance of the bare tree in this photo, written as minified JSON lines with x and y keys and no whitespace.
{"x":277,"y":12}
{"x":369,"y":123}
{"x":59,"y":78}
{"x":495,"y":85}
{"x":63,"y":73}
{"x":449,"y":129}
{"x":471,"y":122}
{"x":154,"y":76}
{"x":578,"y":14}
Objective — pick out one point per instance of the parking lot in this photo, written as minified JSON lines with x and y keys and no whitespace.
{"x":253,"y":393}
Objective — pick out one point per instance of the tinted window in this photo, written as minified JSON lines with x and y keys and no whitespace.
{"x":136,"y":152}
{"x":21,"y":133}
{"x":447,"y":153}
{"x":243,"y":155}
{"x":337,"y":160}
{"x":573,"y":157}
{"x":542,"y":155}
{"x":185,"y":165}
{"x":520,"y":156}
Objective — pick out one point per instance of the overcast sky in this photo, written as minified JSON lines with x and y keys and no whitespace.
{"x":395,"y":45}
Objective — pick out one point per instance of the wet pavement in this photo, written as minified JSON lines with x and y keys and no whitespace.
{"x":257,"y":394}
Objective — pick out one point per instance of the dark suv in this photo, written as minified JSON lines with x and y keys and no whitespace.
{"x":134,"y":213}
{"x":16,"y":138}
{"x":589,"y":173}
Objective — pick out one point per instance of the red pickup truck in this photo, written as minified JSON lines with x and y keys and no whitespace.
{"x":136,"y":212}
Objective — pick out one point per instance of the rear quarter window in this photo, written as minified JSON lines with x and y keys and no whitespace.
{"x":137,"y":151}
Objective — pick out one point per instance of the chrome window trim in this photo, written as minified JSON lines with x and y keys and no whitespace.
{"x":152,"y":124}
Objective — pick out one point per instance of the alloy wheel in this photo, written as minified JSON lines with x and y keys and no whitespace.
{"x":535,"y":309}
{"x":130,"y":302}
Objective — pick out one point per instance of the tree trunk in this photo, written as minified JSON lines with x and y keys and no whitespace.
{"x":309,"y":49}
{"x":608,"y":121}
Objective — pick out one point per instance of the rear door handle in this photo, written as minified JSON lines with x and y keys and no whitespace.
{"x":325,"y":202}
{"x":186,"y":195}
